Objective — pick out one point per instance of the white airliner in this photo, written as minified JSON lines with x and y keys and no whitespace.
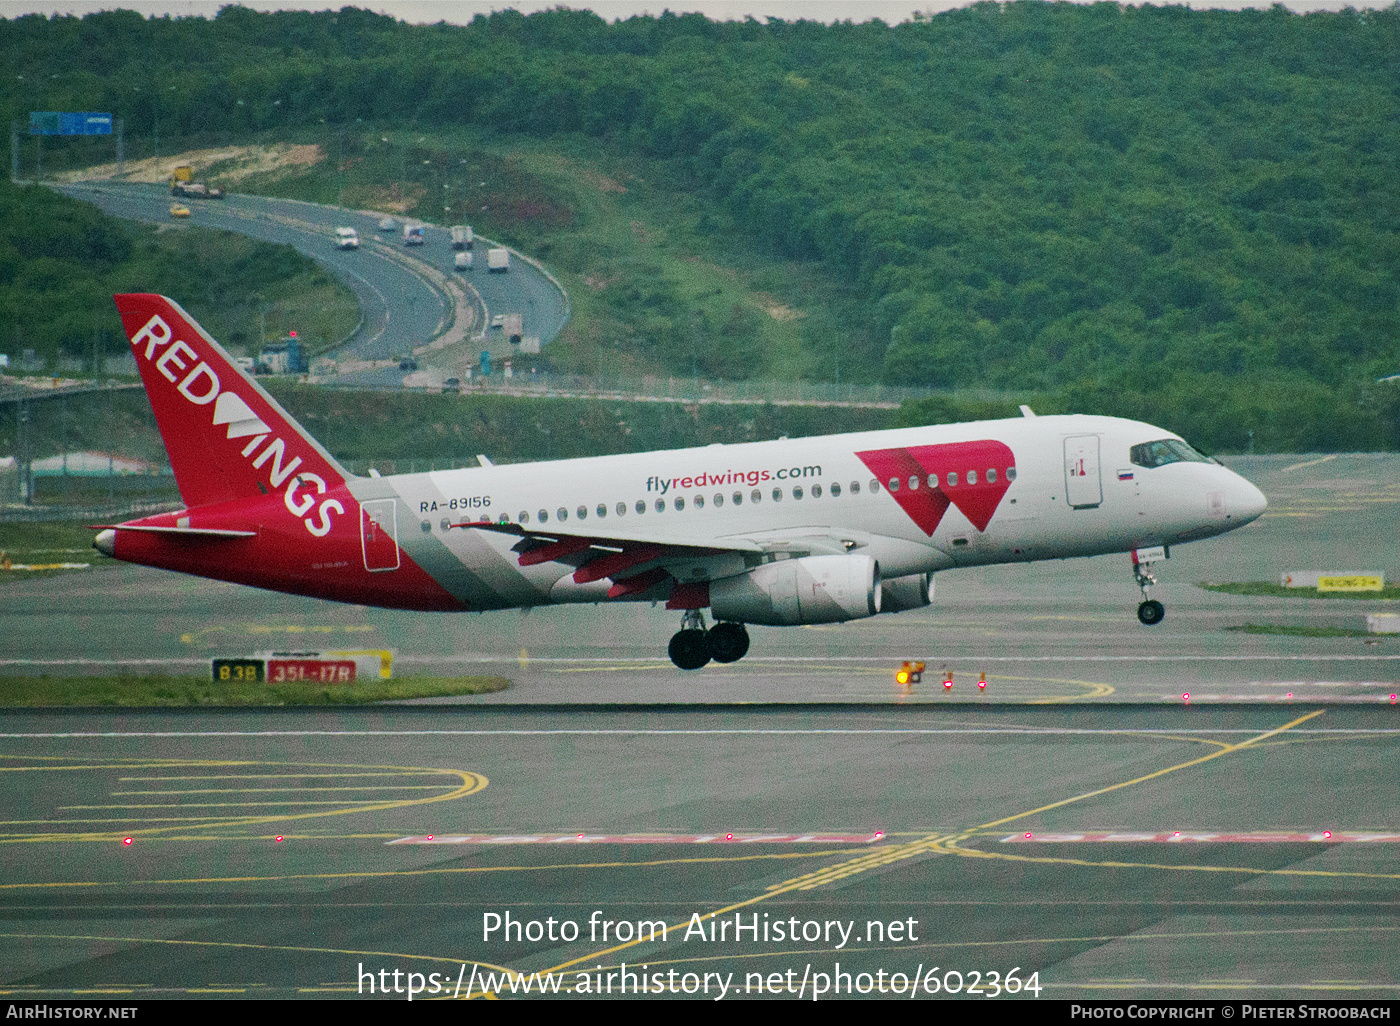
{"x":801,"y":531}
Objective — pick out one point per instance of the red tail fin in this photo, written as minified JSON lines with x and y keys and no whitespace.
{"x":226,"y":437}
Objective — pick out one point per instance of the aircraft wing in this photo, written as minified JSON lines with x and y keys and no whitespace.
{"x":639,"y":564}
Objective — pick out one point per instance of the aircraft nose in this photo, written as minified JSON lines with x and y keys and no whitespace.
{"x":105,"y":542}
{"x":1246,"y":502}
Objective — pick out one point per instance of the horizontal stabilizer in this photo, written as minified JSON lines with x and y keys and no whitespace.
{"x":209,"y":532}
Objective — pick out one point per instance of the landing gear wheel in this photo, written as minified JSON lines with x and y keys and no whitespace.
{"x":1151,"y":612}
{"x":728,"y":642}
{"x":689,"y":649}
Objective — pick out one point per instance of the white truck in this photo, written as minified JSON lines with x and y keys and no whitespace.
{"x":347,"y":238}
{"x":462,"y":237}
{"x":513,"y":327}
{"x":498,"y":260}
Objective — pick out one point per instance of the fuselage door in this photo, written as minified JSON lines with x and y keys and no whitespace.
{"x":379,"y":534}
{"x":1083,"y":488}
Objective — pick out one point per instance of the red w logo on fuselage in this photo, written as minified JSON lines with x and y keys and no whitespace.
{"x":925,"y":479}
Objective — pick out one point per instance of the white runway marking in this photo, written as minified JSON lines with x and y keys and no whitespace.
{"x":1168,"y":732}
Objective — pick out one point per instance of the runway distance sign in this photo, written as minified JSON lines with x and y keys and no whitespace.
{"x":238,"y":671}
{"x":310,"y":669}
{"x":334,"y":667}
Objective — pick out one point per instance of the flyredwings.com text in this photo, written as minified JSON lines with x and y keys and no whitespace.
{"x":642,"y":981}
{"x":708,"y":479}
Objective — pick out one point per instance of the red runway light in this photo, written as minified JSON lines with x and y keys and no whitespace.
{"x":278,"y":838}
{"x":127,"y":840}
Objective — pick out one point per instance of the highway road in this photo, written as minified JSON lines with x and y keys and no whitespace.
{"x":403,"y":292}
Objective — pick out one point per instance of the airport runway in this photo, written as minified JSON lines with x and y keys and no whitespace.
{"x":1241,"y":844}
{"x":1110,"y":852}
{"x":1058,"y":632}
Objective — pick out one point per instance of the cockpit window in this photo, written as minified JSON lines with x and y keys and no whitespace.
{"x":1168,"y":450}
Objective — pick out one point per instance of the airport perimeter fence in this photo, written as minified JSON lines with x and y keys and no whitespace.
{"x":689,"y":390}
{"x":90,"y":513}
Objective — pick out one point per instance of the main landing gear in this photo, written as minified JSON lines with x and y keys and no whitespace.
{"x":693,"y":646}
{"x":1151,"y":611}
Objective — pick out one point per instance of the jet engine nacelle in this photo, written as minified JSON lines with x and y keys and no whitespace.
{"x":815,"y":589}
{"x":901,"y":593}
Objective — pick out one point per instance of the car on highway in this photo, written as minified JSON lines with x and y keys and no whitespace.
{"x":347,"y":238}
{"x":387,"y":224}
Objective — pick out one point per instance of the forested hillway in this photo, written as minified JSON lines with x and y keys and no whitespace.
{"x":1184,"y":216}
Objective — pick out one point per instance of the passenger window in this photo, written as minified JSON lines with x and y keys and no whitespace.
{"x":622,"y":509}
{"x":797,"y":492}
{"x":524,"y":516}
{"x":991,"y":475}
{"x":1011,"y":473}
{"x":738,"y":498}
{"x":874,"y":487}
{"x":544,"y":516}
{"x":602,"y":509}
{"x":505,"y":518}
{"x":894,"y":484}
{"x":562,"y":514}
{"x":855,"y":487}
{"x":972,"y":477}
{"x":641,"y":505}
{"x":582,"y":512}
{"x":446,"y":524}
{"x":816,"y":491}
{"x":933,"y":480}
{"x":777,"y":495}
{"x":756,"y":496}
{"x":679,"y":504}
{"x":698,"y":502}
{"x":719,"y":499}
{"x":953,"y":479}
{"x":835,"y":490}
{"x":661,"y":505}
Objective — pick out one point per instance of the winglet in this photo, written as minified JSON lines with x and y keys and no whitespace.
{"x":227,"y":438}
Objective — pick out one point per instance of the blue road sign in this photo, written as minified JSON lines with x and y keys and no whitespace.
{"x":55,"y":122}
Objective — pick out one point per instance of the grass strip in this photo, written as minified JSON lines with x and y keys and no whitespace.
{"x":1308,"y":632}
{"x":1389,"y":593}
{"x":145,"y":691}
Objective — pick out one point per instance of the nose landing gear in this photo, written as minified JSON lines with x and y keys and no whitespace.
{"x":1151,"y":611}
{"x":693,"y":646}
